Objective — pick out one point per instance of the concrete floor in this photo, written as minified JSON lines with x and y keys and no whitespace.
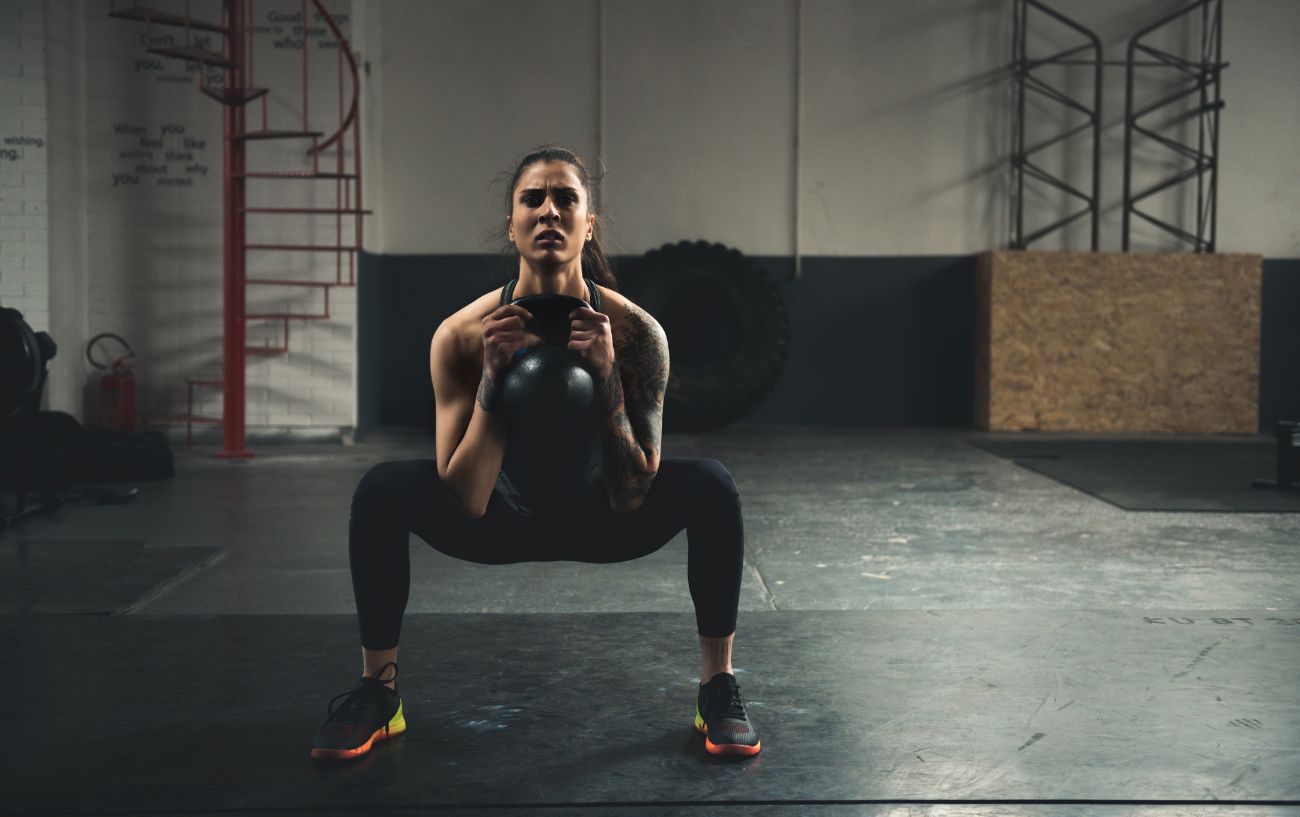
{"x":835,"y":519}
{"x":948,"y":562}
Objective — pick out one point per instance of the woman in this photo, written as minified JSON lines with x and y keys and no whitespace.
{"x":476,"y":502}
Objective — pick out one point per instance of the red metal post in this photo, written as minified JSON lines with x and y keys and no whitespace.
{"x":234,"y":341}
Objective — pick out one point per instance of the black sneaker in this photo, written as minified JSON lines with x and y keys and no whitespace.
{"x":721,"y":717}
{"x":368,"y":714}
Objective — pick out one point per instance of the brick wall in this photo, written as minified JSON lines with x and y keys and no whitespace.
{"x":153,"y":226}
{"x":24,"y":225}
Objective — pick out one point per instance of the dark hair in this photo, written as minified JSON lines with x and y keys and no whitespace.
{"x":594,"y":262}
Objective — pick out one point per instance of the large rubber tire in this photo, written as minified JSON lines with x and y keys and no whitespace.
{"x":728,"y":331}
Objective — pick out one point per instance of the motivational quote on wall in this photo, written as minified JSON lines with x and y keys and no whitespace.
{"x":18,"y":147}
{"x":165,"y":155}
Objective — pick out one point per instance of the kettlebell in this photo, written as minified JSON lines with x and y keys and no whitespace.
{"x":548,"y":387}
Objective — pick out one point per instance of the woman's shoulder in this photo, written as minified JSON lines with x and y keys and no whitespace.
{"x":465,"y":325}
{"x":625,"y":314}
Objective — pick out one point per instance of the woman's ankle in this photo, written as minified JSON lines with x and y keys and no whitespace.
{"x":376,"y":662}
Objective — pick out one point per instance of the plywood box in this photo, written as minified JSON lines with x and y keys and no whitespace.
{"x":1083,"y":341}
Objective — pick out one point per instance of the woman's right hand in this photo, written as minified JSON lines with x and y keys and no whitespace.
{"x":503,"y":335}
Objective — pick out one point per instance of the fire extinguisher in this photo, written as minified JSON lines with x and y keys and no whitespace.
{"x":116,"y":387}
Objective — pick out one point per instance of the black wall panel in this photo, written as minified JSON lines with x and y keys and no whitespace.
{"x":875,"y":341}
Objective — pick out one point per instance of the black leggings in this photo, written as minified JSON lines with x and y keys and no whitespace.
{"x":397,"y":498}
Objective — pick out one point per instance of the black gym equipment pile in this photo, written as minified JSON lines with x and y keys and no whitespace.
{"x":47,"y":458}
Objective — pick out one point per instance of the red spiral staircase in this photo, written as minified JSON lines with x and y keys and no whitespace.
{"x":237,"y":89}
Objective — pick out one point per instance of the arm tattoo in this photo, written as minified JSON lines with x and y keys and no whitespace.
{"x":635,"y":400}
{"x":489,"y":392}
{"x":622,"y":478}
{"x":611,"y":391}
{"x":646,"y":348}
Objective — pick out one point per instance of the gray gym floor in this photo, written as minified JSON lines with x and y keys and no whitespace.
{"x":926,"y":629}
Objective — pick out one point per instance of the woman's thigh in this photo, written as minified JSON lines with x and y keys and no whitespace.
{"x":682,"y":489}
{"x":586,"y":531}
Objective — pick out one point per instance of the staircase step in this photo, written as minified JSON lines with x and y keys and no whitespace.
{"x":288,"y":282}
{"x":265,"y":350}
{"x":277,"y":134}
{"x":309,"y":210}
{"x":294,"y":174}
{"x":166,"y":18}
{"x":276,"y":316}
{"x":201,"y":382}
{"x":304,"y":247}
{"x":234,"y":97}
{"x":193,"y":54}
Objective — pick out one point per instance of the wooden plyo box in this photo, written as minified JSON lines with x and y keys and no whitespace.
{"x":1084,"y":341}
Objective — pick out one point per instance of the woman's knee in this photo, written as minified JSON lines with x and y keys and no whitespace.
{"x":387,"y":482}
{"x":709,"y":479}
{"x":719,"y":478}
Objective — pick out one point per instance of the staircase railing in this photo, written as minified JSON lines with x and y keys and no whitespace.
{"x":236,"y":64}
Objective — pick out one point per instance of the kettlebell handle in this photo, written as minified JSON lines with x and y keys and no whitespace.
{"x":550,"y":315}
{"x":550,"y":302}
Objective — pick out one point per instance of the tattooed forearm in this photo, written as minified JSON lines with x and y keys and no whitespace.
{"x":489,"y":391}
{"x":611,"y":391}
{"x":622,"y":461}
{"x":645,"y":347}
{"x":635,"y":397}
{"x":625,"y":479}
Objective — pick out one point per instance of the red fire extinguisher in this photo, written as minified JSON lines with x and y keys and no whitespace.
{"x":116,"y":387}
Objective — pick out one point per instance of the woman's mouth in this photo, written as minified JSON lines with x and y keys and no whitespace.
{"x":549,"y":237}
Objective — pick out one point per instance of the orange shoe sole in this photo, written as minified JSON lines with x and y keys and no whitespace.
{"x":395,"y":727}
{"x":724,"y":748}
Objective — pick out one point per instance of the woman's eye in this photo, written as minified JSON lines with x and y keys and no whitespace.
{"x":565,"y":198}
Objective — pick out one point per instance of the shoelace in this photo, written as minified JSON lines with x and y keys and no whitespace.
{"x":354,"y":700}
{"x":735,"y":708}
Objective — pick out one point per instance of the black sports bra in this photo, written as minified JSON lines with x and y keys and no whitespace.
{"x":508,"y":293}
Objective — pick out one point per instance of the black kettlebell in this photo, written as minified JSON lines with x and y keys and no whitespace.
{"x":548,"y":388}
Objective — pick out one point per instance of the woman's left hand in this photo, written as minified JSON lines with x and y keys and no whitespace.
{"x":591,"y":337}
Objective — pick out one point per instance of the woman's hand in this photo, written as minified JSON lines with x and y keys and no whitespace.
{"x":503,"y":335}
{"x":591,"y":337}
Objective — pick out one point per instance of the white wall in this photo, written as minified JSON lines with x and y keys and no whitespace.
{"x":1259,"y":190}
{"x":699,"y":128}
{"x":24,"y":222}
{"x":467,"y":87}
{"x":151,"y":200}
{"x":69,"y":273}
{"x":903,"y":110}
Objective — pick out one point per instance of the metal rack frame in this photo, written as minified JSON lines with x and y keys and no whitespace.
{"x":1021,"y":165}
{"x":1205,"y":75}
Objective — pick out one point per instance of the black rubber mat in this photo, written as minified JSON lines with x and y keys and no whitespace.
{"x":90,"y":576}
{"x":564,"y":712}
{"x":1155,"y":475}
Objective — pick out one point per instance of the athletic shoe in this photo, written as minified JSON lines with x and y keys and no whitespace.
{"x":721,"y":717}
{"x":368,"y":714}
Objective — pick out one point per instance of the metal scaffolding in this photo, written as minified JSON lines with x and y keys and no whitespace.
{"x":1026,"y":82}
{"x":1205,"y":81}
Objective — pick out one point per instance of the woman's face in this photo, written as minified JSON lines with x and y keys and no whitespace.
{"x":549,"y":219}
